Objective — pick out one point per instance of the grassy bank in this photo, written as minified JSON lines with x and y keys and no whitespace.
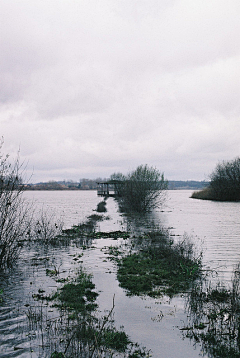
{"x":204,"y":194}
{"x":215,"y":195}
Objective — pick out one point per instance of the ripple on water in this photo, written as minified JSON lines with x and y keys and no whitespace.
{"x":147,"y":321}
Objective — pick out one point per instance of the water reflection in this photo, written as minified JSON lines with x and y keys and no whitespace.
{"x":148,"y":321}
{"x":214,"y":317}
{"x":216,"y":223}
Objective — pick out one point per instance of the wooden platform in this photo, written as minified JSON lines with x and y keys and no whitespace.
{"x":108,"y":188}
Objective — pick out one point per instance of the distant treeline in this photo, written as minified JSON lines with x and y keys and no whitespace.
{"x":83,"y":184}
{"x":91,"y":184}
{"x":189,"y":184}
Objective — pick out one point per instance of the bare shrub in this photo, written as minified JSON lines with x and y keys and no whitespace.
{"x":46,"y":226}
{"x":14,"y":211}
{"x":101,"y":207}
{"x":141,"y":190}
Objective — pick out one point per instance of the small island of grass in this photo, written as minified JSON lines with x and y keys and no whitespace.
{"x":224,"y":184}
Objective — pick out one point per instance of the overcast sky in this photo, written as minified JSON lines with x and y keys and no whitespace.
{"x":93,"y":87}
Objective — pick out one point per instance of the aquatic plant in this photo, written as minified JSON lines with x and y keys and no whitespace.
{"x":85,"y":228}
{"x":111,"y":234}
{"x":1,"y":295}
{"x":78,"y":295}
{"x":57,"y":355}
{"x":79,"y":331}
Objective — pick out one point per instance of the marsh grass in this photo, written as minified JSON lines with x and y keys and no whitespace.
{"x":78,"y":296}
{"x":214,"y":312}
{"x":157,"y":266}
{"x":204,"y":194}
{"x":85,"y":228}
{"x":112,"y":235}
{"x":78,"y":330}
{"x":88,"y":231}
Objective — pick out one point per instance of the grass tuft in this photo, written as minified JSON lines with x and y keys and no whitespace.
{"x":163,"y":268}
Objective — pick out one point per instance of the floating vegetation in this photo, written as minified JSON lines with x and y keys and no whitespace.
{"x":1,"y":295}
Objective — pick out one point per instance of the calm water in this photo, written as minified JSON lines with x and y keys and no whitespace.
{"x":216,"y":224}
{"x":152,"y":323}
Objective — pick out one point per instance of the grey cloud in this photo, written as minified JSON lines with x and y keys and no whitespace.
{"x":90,"y":87}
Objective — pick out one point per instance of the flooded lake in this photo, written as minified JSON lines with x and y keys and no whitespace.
{"x":153,"y":323}
{"x":217,"y":224}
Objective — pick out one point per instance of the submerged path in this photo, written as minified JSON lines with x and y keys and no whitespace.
{"x":153,"y":323}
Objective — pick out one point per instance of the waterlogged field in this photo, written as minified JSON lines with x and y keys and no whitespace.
{"x":75,"y":296}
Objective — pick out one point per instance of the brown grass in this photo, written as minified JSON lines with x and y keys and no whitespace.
{"x":204,"y":194}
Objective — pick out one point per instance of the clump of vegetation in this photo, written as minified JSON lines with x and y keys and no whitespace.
{"x":101,"y":207}
{"x":141,"y":190}
{"x":160,"y":268}
{"x":214,"y":312}
{"x":224,"y":183}
{"x":84,"y":229}
{"x":111,"y":234}
{"x":78,"y":331}
{"x":204,"y":194}
{"x":78,"y":296}
{"x":87,"y":229}
{"x":57,"y":355}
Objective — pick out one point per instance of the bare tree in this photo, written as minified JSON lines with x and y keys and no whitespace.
{"x":14,"y":212}
{"x":143,"y":189}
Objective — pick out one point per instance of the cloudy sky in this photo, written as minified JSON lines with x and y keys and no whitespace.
{"x":92,"y":87}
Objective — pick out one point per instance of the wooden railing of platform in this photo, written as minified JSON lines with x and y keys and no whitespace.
{"x":108,"y":188}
